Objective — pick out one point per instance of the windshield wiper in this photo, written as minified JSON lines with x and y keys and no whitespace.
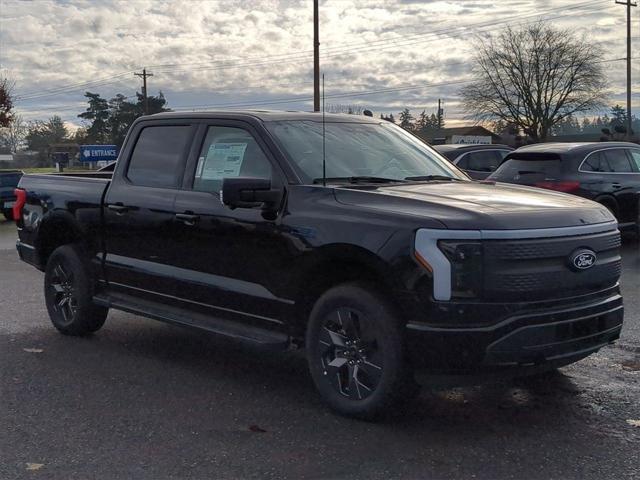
{"x":360,"y":179}
{"x":432,"y":177}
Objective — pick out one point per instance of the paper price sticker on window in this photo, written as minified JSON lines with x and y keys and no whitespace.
{"x":223,"y":160}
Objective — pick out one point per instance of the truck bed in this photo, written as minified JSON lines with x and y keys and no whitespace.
{"x":68,"y":199}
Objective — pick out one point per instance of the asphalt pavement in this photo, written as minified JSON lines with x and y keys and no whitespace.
{"x":144,"y":400}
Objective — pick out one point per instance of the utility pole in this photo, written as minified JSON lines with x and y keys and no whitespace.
{"x":144,"y":76}
{"x":440,"y":114}
{"x":628,"y":4}
{"x":316,"y":59}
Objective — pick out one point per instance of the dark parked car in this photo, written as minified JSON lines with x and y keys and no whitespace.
{"x":478,"y":161}
{"x":392,"y":265}
{"x":608,"y":173}
{"x":8,"y":182}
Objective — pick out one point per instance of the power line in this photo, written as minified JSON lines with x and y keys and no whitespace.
{"x":338,"y":95}
{"x":286,"y":58}
{"x":347,"y":47}
{"x":72,"y":87}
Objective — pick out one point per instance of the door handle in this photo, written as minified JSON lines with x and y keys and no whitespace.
{"x":118,"y":208}
{"x":188,"y":218}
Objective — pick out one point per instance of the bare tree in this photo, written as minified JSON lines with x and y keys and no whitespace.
{"x":13,"y":136}
{"x":534,"y":77}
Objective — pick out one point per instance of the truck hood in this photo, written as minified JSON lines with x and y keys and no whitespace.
{"x":477,"y":206}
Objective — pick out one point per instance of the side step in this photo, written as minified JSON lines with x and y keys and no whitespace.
{"x":264,"y":338}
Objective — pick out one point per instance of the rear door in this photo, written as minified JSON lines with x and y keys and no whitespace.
{"x":613,"y":172}
{"x":139,"y":209}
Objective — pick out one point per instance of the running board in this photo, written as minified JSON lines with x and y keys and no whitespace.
{"x":168,"y":314}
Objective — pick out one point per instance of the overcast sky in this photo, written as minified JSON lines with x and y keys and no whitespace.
{"x":259,"y":53}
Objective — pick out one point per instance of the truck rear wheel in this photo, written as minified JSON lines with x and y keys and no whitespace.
{"x":68,"y":293}
{"x":355,"y":352}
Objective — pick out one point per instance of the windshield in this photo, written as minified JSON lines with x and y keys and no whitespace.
{"x":359,"y":150}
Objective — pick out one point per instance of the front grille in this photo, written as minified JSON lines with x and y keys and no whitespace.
{"x":533,"y":269}
{"x":549,"y":248}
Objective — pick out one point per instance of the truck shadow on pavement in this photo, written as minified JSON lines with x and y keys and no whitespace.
{"x":146,"y":355}
{"x":140,"y":391}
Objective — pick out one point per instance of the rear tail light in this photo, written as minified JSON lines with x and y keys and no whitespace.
{"x":559,"y":186}
{"x":21,"y":200}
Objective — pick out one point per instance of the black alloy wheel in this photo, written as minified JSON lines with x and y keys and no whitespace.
{"x":68,"y":291}
{"x":65,"y":301}
{"x":351,"y":356}
{"x":356,"y":353}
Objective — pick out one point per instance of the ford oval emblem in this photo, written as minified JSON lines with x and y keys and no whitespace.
{"x":582,"y":259}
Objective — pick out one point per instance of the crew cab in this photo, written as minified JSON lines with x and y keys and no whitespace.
{"x":343,"y":235}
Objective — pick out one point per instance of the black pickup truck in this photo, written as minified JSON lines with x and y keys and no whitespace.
{"x":349,"y":237}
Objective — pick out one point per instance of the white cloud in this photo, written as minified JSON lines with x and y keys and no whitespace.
{"x":242,"y":52}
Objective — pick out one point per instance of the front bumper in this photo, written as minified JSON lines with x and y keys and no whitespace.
{"x":530,"y":336}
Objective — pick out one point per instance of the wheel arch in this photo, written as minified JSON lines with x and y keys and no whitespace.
{"x":57,"y":228}
{"x":330,"y":266}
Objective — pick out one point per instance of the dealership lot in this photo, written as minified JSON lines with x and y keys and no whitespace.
{"x":141,"y":399}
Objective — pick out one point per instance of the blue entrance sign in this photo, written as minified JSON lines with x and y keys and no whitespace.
{"x":98,"y":153}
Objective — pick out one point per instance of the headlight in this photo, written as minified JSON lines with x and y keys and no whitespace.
{"x":466,"y":267}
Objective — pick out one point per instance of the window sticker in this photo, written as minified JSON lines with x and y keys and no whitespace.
{"x":223,"y":160}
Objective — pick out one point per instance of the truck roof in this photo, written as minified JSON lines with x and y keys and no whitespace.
{"x":270,"y":116}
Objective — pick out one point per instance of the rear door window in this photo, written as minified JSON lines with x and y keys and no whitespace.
{"x":158,"y":157}
{"x":617,"y":161}
{"x":595,"y":163}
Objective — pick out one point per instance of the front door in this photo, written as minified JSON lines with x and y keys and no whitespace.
{"x":231,"y":258}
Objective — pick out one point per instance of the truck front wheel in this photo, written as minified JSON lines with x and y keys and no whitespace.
{"x":68,"y":293}
{"x":355,"y":352}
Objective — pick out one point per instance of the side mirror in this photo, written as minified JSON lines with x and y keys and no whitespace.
{"x":244,"y":192}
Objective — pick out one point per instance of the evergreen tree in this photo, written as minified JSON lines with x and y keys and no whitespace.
{"x":98,"y":113}
{"x":618,"y":116}
{"x":421,"y":122}
{"x":406,"y":119}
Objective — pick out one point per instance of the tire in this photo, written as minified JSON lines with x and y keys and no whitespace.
{"x":355,"y":351}
{"x":68,"y":293}
{"x":8,"y":213}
